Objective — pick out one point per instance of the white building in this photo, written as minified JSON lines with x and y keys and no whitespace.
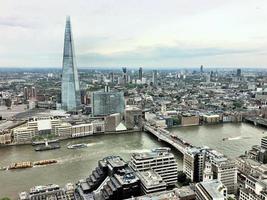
{"x":161,"y":160}
{"x":255,"y":188}
{"x":151,"y":182}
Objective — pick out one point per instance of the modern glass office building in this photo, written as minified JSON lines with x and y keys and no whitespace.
{"x":70,"y":88}
{"x":106,"y":103}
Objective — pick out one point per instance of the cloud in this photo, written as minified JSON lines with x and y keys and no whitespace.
{"x":160,"y":54}
{"x":14,"y":22}
{"x":126,"y":32}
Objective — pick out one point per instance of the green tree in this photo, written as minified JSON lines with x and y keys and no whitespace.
{"x":5,"y":198}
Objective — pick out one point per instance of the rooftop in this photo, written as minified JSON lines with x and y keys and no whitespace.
{"x":214,"y":188}
{"x":163,"y":151}
{"x":150,"y":178}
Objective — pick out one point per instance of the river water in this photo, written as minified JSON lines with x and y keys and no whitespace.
{"x":75,"y":164}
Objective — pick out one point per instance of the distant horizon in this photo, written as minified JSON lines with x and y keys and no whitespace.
{"x":144,"y":68}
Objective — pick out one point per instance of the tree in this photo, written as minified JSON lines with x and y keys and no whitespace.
{"x":5,"y":198}
{"x":181,"y":177}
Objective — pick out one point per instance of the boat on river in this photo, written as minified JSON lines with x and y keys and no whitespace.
{"x":47,"y":146}
{"x":77,"y":146}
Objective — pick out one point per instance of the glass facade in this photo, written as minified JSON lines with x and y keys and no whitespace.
{"x":106,"y":103}
{"x":70,"y":88}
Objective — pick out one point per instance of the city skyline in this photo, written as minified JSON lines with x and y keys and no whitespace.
{"x":126,"y":33}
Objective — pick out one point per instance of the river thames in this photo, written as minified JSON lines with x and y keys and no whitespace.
{"x":75,"y":164}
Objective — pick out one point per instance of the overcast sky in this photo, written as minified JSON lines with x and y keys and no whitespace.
{"x":147,"y":33}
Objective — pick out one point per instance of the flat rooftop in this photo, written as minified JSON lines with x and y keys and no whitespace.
{"x":151,"y":178}
{"x":128,"y":178}
{"x":213,"y":187}
{"x":15,"y":109}
{"x":116,"y":161}
{"x":159,"y":152}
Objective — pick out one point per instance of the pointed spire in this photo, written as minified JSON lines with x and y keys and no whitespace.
{"x":70,"y":91}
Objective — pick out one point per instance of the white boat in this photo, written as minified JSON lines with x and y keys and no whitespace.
{"x":76,"y":146}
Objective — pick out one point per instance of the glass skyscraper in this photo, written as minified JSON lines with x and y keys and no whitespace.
{"x":70,"y":88}
{"x":106,"y":103}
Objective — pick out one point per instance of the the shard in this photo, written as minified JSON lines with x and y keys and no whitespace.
{"x":70,"y":88}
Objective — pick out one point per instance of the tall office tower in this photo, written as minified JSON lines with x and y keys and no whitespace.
{"x":33,"y":93}
{"x":106,"y":103}
{"x":154,"y":77}
{"x":111,"y":77}
{"x":26,"y":93}
{"x":140,"y":73}
{"x":159,"y":160}
{"x":201,"y":69}
{"x":238,"y":72}
{"x":193,"y":163}
{"x":70,"y":88}
{"x":124,"y":75}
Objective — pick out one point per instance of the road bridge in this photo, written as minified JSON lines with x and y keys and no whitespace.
{"x":164,"y":135}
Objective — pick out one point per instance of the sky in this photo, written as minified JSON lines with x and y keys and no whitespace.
{"x":135,"y":33}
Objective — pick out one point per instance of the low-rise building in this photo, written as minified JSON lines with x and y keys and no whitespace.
{"x":23,"y":134}
{"x":255,"y":188}
{"x":5,"y":138}
{"x":211,"y":119}
{"x":188,"y":119}
{"x":160,"y":160}
{"x":151,"y":182}
{"x":112,"y":121}
{"x":50,"y":191}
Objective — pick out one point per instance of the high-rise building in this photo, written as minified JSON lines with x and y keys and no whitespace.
{"x":26,"y":93}
{"x":238,"y":72}
{"x":70,"y":88}
{"x":140,"y":73}
{"x":33,"y":93}
{"x":107,"y":103}
{"x":193,"y":163}
{"x":111,"y":77}
{"x":201,"y":69}
{"x":124,"y":75}
{"x":155,"y":77}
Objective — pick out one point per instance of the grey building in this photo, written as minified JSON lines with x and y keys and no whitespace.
{"x":133,"y":118}
{"x":106,"y":103}
{"x":155,"y":77}
{"x":50,"y":191}
{"x":211,"y":190}
{"x":140,"y":75}
{"x":193,"y":163}
{"x":70,"y":88}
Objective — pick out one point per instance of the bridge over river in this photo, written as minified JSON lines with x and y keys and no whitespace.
{"x":167,"y":137}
